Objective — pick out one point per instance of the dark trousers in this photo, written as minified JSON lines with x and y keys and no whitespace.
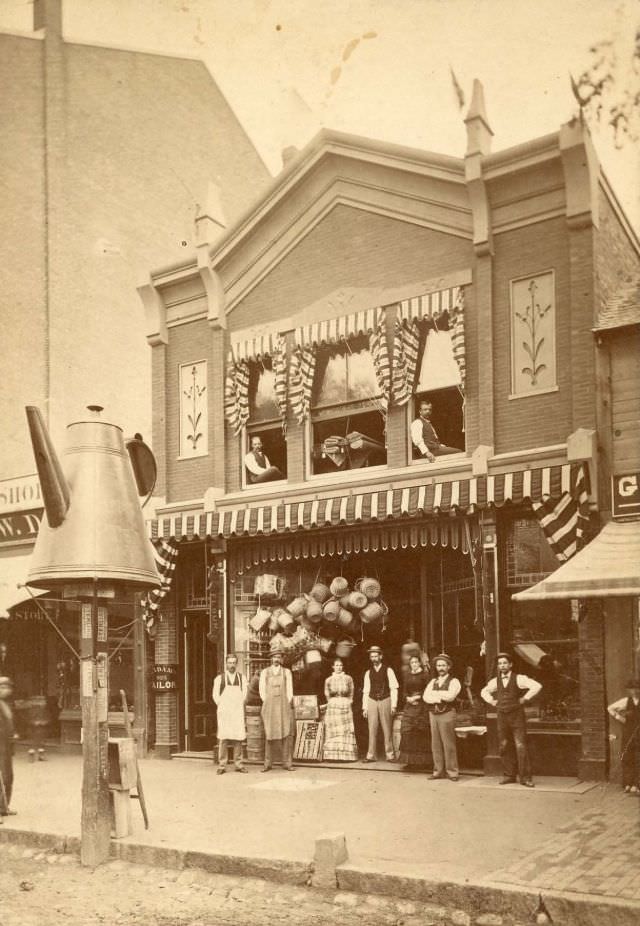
{"x":6,"y":786}
{"x":512,"y":737}
{"x":630,"y":755}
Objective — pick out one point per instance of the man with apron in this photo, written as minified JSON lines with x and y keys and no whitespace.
{"x":276,"y":691}
{"x":229,"y":693}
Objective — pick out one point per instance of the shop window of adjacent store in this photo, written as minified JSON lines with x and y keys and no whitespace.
{"x":544,"y":635}
{"x":265,"y":447}
{"x":438,"y":407}
{"x":347,"y":421}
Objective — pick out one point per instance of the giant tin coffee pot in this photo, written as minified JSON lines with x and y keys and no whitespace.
{"x":93,"y":529}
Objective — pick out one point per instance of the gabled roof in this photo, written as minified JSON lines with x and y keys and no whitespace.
{"x":623,"y":309}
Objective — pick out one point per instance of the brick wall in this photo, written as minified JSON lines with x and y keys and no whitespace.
{"x":615,"y":257}
{"x":166,"y":702}
{"x":542,"y":419}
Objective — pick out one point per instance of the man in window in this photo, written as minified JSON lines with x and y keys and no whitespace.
{"x":257,"y":464}
{"x":424,"y":438}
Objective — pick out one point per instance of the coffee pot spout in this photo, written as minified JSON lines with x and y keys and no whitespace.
{"x":53,"y":483}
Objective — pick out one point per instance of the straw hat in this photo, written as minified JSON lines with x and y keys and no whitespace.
{"x":375,"y":649}
{"x":445,"y":658}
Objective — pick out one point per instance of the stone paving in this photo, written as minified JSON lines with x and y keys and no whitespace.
{"x":598,"y":853}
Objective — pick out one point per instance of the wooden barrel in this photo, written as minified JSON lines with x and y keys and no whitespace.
{"x":255,"y":734}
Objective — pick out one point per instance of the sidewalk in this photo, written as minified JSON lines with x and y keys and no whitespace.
{"x":563,"y":837}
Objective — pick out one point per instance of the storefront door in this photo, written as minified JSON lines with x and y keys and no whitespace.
{"x":200,"y":659}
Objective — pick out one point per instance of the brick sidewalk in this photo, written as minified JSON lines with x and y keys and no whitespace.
{"x":597,"y":853}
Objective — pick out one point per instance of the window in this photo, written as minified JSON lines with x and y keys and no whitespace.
{"x":438,"y":385}
{"x":347,"y":423}
{"x":265,"y":458}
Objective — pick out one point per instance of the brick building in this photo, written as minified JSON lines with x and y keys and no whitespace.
{"x":368,"y":278}
{"x":107,"y":156}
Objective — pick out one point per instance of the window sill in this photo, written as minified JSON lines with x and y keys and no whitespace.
{"x":533,"y":393}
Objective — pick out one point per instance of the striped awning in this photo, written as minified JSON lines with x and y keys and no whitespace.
{"x":334,"y":330}
{"x":429,"y":305}
{"x":256,"y":346}
{"x":416,"y":501}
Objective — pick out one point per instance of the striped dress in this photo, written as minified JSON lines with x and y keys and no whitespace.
{"x":339,"y":733}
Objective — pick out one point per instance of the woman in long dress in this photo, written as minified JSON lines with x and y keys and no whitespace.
{"x":339,"y":732}
{"x":414,"y":740}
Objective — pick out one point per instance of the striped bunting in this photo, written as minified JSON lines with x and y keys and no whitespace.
{"x":303,"y":367}
{"x":264,"y":345}
{"x":334,"y":330}
{"x":543,"y":486}
{"x":430,"y":305}
{"x":165,"y":554}
{"x":406,"y":344}
{"x":380,"y":357}
{"x":457,"y":335}
{"x":236,"y":394}
{"x":565,"y":520}
{"x":236,"y":404}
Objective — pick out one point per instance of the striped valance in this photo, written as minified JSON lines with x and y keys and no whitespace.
{"x":429,"y":305}
{"x":334,"y":330}
{"x":445,"y":532}
{"x":415,"y":501}
{"x":257,"y":347}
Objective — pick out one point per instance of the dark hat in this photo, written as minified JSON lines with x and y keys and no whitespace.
{"x":633,"y":683}
{"x":375,"y":649}
{"x":443,"y":656}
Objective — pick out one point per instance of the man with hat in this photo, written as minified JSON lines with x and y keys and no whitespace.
{"x":508,"y":693}
{"x":276,"y":692}
{"x":440,"y":695}
{"x":379,"y":703}
{"x":627,"y":711}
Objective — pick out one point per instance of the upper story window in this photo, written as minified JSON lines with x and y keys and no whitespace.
{"x":265,"y":458}
{"x":347,"y":417}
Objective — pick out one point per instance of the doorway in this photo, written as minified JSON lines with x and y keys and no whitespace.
{"x":200,"y":660}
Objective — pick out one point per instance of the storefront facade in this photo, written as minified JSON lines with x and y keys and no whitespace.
{"x":369,"y":280}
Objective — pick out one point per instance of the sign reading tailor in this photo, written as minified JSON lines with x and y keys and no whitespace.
{"x":625,"y":496}
{"x":165,"y":677}
{"x":20,"y":526}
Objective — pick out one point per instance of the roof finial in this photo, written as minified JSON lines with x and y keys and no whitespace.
{"x":479,"y":132}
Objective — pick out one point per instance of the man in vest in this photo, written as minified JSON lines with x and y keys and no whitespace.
{"x":257,"y":464}
{"x":440,"y":695}
{"x":508,"y":693}
{"x":276,"y":692}
{"x":425,"y":441}
{"x":627,"y":711}
{"x":379,"y":703}
{"x":229,"y":692}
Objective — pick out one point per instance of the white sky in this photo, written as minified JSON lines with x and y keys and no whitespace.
{"x":377,"y":67}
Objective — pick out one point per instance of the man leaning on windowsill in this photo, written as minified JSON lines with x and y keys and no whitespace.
{"x":424,"y":438}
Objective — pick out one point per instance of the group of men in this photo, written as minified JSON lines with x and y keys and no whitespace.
{"x":507,"y":692}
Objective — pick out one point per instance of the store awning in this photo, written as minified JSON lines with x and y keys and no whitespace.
{"x":608,"y":565}
{"x":457,"y":496}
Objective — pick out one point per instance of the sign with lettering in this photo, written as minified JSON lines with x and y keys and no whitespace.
{"x":165,"y":677}
{"x":20,"y":526}
{"x":20,"y":493}
{"x":625,"y":496}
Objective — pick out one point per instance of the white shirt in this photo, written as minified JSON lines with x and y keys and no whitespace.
{"x":393,"y":686}
{"x":230,"y":680}
{"x":532,"y":688}
{"x":620,"y":706}
{"x":288,"y":681}
{"x":433,"y":696}
{"x":252,"y":464}
{"x":417,"y":438}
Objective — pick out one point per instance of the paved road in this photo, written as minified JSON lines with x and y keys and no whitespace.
{"x":46,"y":889}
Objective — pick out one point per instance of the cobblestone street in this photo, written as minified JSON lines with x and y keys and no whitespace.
{"x":39,"y":888}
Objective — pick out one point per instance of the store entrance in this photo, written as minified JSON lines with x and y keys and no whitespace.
{"x":200,"y":659}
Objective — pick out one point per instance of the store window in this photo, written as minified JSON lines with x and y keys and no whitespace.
{"x":438,"y":409}
{"x":265,"y":455}
{"x":347,"y":420}
{"x":544,"y":635}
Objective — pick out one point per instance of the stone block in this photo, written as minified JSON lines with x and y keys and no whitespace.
{"x":330,"y":851}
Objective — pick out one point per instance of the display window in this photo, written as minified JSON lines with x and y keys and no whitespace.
{"x":347,"y":419}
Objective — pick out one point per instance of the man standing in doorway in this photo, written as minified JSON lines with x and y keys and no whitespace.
{"x":229,"y":693}
{"x":440,"y":695}
{"x":276,"y":692}
{"x":424,"y":438}
{"x":508,"y":693}
{"x":379,"y":703}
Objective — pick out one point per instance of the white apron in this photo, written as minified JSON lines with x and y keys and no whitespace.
{"x":231,"y":724}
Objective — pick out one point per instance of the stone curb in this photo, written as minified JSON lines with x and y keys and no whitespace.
{"x":507,"y":900}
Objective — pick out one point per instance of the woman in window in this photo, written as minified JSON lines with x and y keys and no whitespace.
{"x":414,"y":747}
{"x":339,"y":732}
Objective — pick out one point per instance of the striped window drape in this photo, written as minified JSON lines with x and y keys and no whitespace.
{"x":165,"y":554}
{"x":565,"y":521}
{"x":237,"y":410}
{"x":412,"y":314}
{"x":336,"y":331}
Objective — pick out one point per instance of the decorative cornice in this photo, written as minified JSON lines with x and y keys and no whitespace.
{"x":155,"y":314}
{"x":581,"y":175}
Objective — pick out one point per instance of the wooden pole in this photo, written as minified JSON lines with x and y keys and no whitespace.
{"x":95,"y":830}
{"x":140,"y":686}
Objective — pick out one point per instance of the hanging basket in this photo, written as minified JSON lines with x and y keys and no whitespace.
{"x":331,"y":610}
{"x":285,"y":621}
{"x":339,"y":586}
{"x":357,"y":601}
{"x":344,"y":617}
{"x":373,"y":611}
{"x":369,"y":587}
{"x":344,"y":648}
{"x":260,"y":619}
{"x":320,"y":592}
{"x":297,"y":607}
{"x":314,"y":611}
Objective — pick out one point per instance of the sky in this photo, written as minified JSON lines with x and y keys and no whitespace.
{"x":379,"y":68}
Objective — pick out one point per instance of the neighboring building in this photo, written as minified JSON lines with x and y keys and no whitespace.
{"x":369,"y":276}
{"x":107,"y":156}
